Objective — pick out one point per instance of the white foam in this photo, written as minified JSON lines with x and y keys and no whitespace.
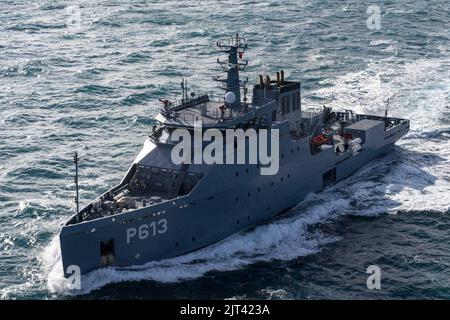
{"x":52,"y":265}
{"x":275,"y":294}
{"x":22,"y":206}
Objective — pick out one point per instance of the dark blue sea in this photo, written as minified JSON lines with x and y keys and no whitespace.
{"x":86,"y":76}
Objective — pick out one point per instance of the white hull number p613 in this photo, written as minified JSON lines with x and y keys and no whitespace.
{"x":146,"y":230}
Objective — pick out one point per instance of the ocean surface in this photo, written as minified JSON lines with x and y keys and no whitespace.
{"x":86,"y":76}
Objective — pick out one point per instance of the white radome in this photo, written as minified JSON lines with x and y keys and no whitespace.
{"x":230,"y":98}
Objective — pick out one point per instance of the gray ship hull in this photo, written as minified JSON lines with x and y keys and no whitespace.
{"x":226,"y":201}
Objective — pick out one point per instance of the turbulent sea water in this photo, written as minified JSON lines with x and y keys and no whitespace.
{"x":87,"y":76}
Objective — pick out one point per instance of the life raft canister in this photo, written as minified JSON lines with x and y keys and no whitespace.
{"x":320,"y":140}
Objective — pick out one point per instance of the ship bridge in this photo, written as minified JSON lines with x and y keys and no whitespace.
{"x":229,"y":110}
{"x":212,"y":114}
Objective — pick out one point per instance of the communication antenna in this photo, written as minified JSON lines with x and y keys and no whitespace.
{"x":76,"y":160}
{"x":186,"y":74}
{"x":265,"y":59}
{"x":388,"y":101}
{"x":186,"y":66}
{"x":183,"y":89}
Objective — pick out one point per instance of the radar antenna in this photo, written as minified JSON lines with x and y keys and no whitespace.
{"x":235,"y":48}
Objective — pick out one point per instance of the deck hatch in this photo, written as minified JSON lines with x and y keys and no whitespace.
{"x":107,"y":253}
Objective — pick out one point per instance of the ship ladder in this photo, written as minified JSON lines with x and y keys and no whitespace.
{"x":177,"y":180}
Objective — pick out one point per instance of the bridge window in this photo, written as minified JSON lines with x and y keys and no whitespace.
{"x":288,"y":104}
{"x":296,"y":100}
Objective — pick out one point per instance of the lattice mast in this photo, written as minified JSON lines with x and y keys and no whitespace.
{"x":235,"y":49}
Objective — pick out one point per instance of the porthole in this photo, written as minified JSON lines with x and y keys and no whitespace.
{"x":193,"y":238}
{"x":259,"y":189}
{"x":248,"y":194}
{"x":281,"y":179}
{"x":271,"y":184}
{"x":237,"y":173}
{"x":237,"y":222}
{"x":177,"y":244}
{"x":237,"y":199}
{"x":246,"y":170}
{"x":248,"y":217}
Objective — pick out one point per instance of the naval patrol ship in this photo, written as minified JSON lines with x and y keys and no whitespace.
{"x":162,"y":209}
